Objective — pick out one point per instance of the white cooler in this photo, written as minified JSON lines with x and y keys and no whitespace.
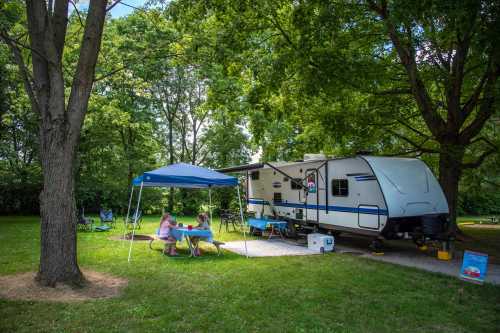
{"x":320,"y":242}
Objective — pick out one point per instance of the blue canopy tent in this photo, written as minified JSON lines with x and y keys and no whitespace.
{"x":184,"y":176}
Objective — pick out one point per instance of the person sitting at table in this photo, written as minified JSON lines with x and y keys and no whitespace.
{"x":203,"y":224}
{"x":167,"y":223}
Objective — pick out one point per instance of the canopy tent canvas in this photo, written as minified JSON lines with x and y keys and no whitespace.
{"x":184,"y":175}
{"x":181,"y":175}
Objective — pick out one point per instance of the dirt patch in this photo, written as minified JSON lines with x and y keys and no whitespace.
{"x":137,"y":238}
{"x":23,"y":287}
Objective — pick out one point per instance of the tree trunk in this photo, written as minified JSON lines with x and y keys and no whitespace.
{"x":171,"y":156}
{"x":58,"y":256}
{"x":61,"y":119}
{"x":450,"y":170}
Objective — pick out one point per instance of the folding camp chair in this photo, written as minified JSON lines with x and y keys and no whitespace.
{"x":107,"y":217}
{"x":85,"y":223}
{"x":135,"y":220}
{"x":227,"y":217}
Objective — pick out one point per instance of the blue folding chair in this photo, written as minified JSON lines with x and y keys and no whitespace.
{"x":107,"y":217}
{"x":135,"y":220}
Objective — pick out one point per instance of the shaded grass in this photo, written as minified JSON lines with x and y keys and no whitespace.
{"x":334,"y":292}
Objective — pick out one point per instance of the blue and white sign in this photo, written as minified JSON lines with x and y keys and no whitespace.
{"x":474,"y":267}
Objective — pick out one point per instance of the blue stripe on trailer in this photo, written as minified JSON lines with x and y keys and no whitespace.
{"x":365,"y":178}
{"x":356,"y":210}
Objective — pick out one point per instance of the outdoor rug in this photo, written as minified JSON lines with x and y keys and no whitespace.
{"x":268,"y":248}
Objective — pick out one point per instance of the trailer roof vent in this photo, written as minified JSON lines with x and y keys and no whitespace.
{"x":311,"y":157}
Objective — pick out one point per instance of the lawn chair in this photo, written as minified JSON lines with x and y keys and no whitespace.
{"x":84,"y":223}
{"x":135,"y":220}
{"x":227,"y":217}
{"x":107,"y":217}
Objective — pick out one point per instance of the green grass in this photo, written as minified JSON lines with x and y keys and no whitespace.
{"x":330,"y":293}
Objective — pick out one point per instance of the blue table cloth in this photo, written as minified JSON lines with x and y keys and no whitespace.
{"x":262,"y":224}
{"x":180,"y":233}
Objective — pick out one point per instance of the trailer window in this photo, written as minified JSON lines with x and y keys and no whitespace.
{"x":296,"y":184}
{"x":340,"y":187}
{"x":254,"y":175}
{"x":277,"y":197}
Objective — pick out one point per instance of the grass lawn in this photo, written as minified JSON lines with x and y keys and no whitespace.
{"x":333,"y":292}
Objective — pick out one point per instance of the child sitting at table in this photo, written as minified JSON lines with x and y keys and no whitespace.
{"x":203,"y":224}
{"x":167,"y":223}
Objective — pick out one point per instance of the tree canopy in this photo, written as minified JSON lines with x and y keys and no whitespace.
{"x":212,"y":83}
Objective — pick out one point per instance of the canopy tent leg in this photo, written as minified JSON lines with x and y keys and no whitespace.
{"x":210,"y":203}
{"x":135,"y":221}
{"x":242,"y":220}
{"x":128,"y":211}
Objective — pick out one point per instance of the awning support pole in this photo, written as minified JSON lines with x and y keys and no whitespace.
{"x":128,"y":211}
{"x":210,"y":203}
{"x":242,"y":220}
{"x":135,"y":221}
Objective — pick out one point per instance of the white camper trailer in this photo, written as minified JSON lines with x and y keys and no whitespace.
{"x":384,"y":197}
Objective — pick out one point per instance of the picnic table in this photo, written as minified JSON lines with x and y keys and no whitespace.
{"x":182,"y":233}
{"x":276,"y":226}
{"x":491,"y":219}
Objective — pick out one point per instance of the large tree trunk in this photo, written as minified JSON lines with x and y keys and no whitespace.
{"x":58,"y":256}
{"x":171,"y":156}
{"x":450,"y":171}
{"x":61,"y":119}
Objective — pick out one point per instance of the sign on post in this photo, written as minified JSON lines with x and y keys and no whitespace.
{"x":474,"y":267}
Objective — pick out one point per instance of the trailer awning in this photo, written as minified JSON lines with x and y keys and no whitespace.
{"x":241,"y":168}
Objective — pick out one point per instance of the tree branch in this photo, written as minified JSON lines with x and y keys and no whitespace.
{"x":392,"y":92}
{"x":59,"y":25}
{"x":84,"y":74}
{"x":112,"y":5}
{"x":418,"y":146}
{"x":486,"y":109}
{"x":413,"y":129}
{"x":25,"y":73}
{"x":474,"y":98}
{"x":75,"y":7}
{"x":480,"y":159}
{"x":406,"y":55}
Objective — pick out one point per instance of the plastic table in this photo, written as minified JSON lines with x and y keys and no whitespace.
{"x":185,"y":233}
{"x":263,"y":224}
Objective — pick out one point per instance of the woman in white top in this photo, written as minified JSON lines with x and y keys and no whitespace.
{"x":203,"y":224}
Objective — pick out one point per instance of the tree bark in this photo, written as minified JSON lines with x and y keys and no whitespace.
{"x":59,"y":127}
{"x":450,"y":171}
{"x":58,"y":255}
{"x":172,"y":159}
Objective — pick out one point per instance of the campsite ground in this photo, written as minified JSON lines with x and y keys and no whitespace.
{"x":334,"y":292}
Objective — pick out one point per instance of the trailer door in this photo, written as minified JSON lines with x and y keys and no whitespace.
{"x":312,"y":212}
{"x":368,"y":217}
